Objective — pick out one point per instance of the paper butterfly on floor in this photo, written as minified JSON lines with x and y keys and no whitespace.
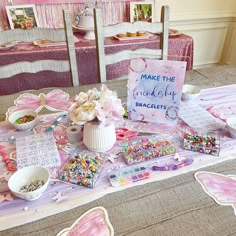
{"x":56,"y":100}
{"x":221,"y":188}
{"x":91,"y":223}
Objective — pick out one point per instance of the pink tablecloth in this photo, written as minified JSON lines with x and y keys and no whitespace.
{"x":180,"y":48}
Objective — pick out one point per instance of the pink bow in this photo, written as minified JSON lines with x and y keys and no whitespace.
{"x":56,"y":100}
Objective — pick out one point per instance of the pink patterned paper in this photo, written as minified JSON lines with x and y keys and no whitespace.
{"x":223,"y":111}
{"x":91,"y":223}
{"x":154,"y":90}
{"x":221,"y":188}
{"x":55,"y":100}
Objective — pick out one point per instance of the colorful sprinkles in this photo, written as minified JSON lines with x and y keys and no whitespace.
{"x":83,"y":170}
{"x":24,"y":119}
{"x":203,"y":144}
{"x":146,"y":148}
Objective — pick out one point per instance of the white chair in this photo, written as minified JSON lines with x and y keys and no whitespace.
{"x":56,"y":35}
{"x":101,"y":32}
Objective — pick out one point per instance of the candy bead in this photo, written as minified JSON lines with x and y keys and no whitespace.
{"x":146,"y":148}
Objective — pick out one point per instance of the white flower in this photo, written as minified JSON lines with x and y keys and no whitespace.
{"x":81,"y":98}
{"x":103,"y":105}
{"x":82,"y":114}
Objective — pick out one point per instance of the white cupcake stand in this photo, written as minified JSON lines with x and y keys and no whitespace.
{"x":89,"y":32}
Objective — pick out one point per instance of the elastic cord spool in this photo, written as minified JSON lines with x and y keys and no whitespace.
{"x":74,"y":134}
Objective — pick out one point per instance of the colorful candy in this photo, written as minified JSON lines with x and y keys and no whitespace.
{"x":24,"y":119}
{"x":204,"y":144}
{"x":83,"y":169}
{"x":146,"y":148}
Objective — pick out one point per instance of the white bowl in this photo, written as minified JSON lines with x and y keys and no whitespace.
{"x":25,"y":126}
{"x":231,"y":126}
{"x":25,"y":176}
{"x":190,"y":91}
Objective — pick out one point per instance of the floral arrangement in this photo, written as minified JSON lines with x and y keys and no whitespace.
{"x":94,"y":105}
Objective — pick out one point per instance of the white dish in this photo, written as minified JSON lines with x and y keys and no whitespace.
{"x":21,"y":113}
{"x":25,"y":176}
{"x":190,"y":91}
{"x":8,"y":45}
{"x":89,"y":32}
{"x":47,"y":43}
{"x":82,"y":28}
{"x":146,"y":36}
{"x":173,"y":32}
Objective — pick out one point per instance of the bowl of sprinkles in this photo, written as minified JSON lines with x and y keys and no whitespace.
{"x":23,"y":119}
{"x":30,"y":182}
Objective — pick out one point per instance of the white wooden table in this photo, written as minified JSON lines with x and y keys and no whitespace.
{"x":175,"y":206}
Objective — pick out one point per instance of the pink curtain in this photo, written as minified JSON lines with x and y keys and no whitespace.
{"x":50,"y":11}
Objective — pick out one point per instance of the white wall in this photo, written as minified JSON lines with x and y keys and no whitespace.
{"x":211,"y":23}
{"x":199,"y":9}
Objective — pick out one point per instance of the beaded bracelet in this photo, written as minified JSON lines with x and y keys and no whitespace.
{"x":5,"y":158}
{"x":188,"y":161}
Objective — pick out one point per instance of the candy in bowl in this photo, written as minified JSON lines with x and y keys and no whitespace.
{"x":23,"y":119}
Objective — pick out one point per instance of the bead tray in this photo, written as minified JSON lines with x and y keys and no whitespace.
{"x":128,"y":175}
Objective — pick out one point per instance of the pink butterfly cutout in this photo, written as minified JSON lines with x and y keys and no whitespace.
{"x":55,"y":100}
{"x":221,"y":188}
{"x":91,"y":223}
{"x":6,"y":197}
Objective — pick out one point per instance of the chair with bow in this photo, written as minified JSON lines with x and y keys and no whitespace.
{"x":101,"y":32}
{"x":65,"y":34}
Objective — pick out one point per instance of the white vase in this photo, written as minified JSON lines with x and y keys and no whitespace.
{"x":99,"y":138}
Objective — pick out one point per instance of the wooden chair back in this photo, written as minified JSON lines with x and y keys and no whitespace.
{"x":57,"y":35}
{"x":101,"y":32}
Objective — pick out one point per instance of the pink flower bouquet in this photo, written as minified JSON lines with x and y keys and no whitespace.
{"x":103,"y":106}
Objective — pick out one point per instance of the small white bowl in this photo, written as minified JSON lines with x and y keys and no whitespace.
{"x":190,"y":91}
{"x":231,"y":126}
{"x":25,"y":126}
{"x":24,"y":177}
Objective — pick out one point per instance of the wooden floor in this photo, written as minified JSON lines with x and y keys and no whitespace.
{"x":172,"y":207}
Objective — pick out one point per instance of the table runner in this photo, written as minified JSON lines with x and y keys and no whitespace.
{"x":19,"y":211}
